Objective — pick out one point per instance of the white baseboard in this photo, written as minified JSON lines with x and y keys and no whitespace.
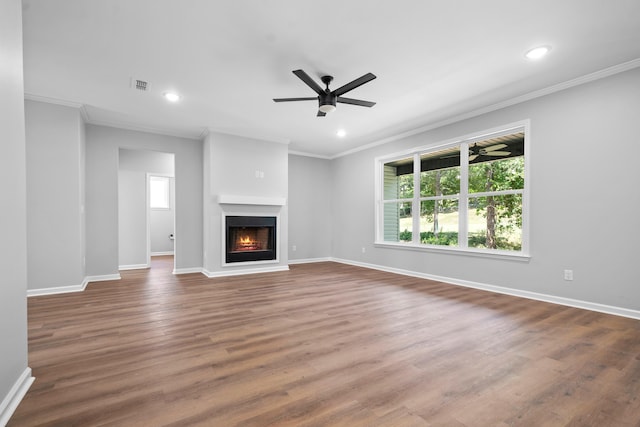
{"x":71,"y":288}
{"x":602,"y":308}
{"x":187,"y":270}
{"x":103,"y":278}
{"x":133,"y":267}
{"x":308,"y":260}
{"x":161,"y":253}
{"x":15,"y":396}
{"x":57,"y":290}
{"x":225,"y":273}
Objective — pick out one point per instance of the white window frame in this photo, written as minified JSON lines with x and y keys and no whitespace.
{"x":463,"y":197}
{"x":167,"y":180}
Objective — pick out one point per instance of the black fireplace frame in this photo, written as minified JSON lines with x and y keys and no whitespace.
{"x":269,"y":254}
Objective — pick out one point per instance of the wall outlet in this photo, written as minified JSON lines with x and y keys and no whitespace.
{"x":568,"y":275}
{"x":364,"y":249}
{"x":293,"y":248}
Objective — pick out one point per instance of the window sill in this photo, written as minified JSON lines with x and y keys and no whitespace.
{"x":506,"y":255}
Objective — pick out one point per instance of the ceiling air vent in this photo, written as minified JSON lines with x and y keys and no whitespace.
{"x":138,"y":84}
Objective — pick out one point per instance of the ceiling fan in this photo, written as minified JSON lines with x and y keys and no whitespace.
{"x":326,"y":98}
{"x":492,"y":150}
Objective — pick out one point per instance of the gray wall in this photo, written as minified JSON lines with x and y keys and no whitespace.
{"x":132,"y":219}
{"x":310,"y":183}
{"x":55,"y":195}
{"x":231,"y":163}
{"x":584,"y":200}
{"x":103,"y":144}
{"x":13,"y":251}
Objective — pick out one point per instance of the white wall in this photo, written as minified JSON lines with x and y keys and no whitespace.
{"x":309,"y":208}
{"x":55,"y":195}
{"x":14,"y":372}
{"x":230,"y":166}
{"x":103,"y":144}
{"x":584,"y":200}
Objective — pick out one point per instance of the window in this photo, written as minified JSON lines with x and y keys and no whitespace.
{"x":159,"y":187}
{"x":468,"y":194}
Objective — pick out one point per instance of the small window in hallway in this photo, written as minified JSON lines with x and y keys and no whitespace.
{"x":159,"y":192}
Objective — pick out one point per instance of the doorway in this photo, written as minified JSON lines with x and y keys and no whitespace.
{"x":144,"y":231}
{"x":161,"y":214}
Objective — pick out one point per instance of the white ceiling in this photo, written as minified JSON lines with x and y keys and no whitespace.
{"x":434,"y":60}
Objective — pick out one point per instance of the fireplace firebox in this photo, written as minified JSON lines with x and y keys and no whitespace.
{"x":250,"y":238}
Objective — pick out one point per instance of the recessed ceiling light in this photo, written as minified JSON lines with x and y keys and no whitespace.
{"x":341,"y":133}
{"x":537,"y":52}
{"x":171,"y":96}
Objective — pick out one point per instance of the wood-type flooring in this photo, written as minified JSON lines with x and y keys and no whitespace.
{"x":323,"y":344}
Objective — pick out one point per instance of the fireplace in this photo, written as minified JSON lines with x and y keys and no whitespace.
{"x":250,"y":238}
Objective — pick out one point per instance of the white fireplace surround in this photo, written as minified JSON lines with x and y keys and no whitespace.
{"x":227,"y":199}
{"x":234,"y":205}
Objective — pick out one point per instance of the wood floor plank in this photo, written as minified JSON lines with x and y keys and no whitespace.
{"x":323,"y":344}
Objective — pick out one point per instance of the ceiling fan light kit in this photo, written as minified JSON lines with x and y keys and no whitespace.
{"x":327,"y":108}
{"x":327,"y":99}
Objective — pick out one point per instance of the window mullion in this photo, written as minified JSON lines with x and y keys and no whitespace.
{"x":496,"y":193}
{"x":463,"y":201}
{"x":415,"y":206}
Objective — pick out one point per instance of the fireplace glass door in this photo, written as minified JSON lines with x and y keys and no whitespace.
{"x":250,"y":238}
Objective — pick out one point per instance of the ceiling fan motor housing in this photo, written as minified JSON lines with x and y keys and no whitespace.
{"x":328,"y":99}
{"x":327,"y":102}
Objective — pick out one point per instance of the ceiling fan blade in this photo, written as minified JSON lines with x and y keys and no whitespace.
{"x":315,"y":98}
{"x":495,"y":147}
{"x":309,"y":81}
{"x":354,"y":84}
{"x":321,"y":113}
{"x":473,"y":157}
{"x":355,"y":102}
{"x":497,"y":153}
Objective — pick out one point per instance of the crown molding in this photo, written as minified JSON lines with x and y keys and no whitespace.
{"x":50,"y":100}
{"x":147,"y":129}
{"x":114,"y":124}
{"x":56,"y":101}
{"x":606,"y":72}
{"x":205,"y":132}
{"x":248,"y":135}
{"x":84,"y":113}
{"x":305,"y":154}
